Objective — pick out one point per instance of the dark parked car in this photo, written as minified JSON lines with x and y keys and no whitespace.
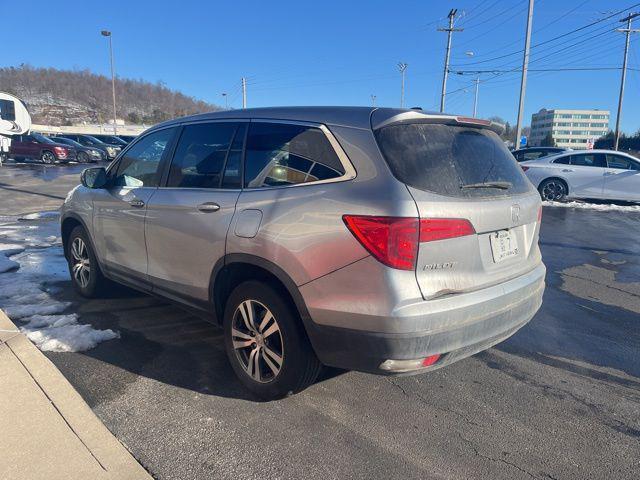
{"x":111,"y":151}
{"x":39,"y":147}
{"x":85,"y":154}
{"x":111,"y":140}
{"x":533,"y":153}
{"x":127,"y":138}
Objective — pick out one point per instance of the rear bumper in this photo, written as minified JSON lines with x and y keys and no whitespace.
{"x":455,"y":327}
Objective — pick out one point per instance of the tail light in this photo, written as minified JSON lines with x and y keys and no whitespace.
{"x":61,"y":151}
{"x":524,"y":169}
{"x":394,"y":240}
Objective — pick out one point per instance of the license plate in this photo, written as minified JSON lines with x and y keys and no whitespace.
{"x":503,"y":245}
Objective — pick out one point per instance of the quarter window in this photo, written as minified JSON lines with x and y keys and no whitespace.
{"x":282,"y":154}
{"x":139,"y":167}
{"x":201,"y":154}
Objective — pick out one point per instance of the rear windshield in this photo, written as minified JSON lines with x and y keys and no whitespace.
{"x":451,"y":160}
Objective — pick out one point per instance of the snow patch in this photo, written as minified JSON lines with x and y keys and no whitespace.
{"x":39,"y":321}
{"x":9,"y":249}
{"x":16,"y":312}
{"x":6,"y":264}
{"x":40,"y":215}
{"x":601,"y":207}
{"x":69,"y":338}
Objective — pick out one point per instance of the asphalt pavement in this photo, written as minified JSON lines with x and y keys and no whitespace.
{"x":559,"y":400}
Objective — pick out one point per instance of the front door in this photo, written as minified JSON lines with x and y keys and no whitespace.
{"x":188,"y":219}
{"x":622,"y":178}
{"x":119,"y":210}
{"x":587,"y":175}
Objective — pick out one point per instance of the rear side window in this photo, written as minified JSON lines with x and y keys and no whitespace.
{"x":589,"y":160}
{"x":451,"y":160}
{"x":283,"y":154}
{"x":563,"y":160}
{"x":200,"y":156}
{"x":620,"y":162}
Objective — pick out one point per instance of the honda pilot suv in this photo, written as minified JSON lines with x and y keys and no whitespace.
{"x":380,"y":240}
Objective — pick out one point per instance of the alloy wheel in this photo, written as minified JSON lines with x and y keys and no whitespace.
{"x":553,"y":190}
{"x":80,"y":262}
{"x":257,"y":341}
{"x":48,"y":157}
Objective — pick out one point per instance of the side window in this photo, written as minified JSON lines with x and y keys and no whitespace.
{"x":200,"y":156}
{"x":624,"y":163}
{"x":283,"y":154}
{"x":589,"y":160}
{"x":533,"y":155}
{"x":563,"y":160}
{"x":140,"y":164}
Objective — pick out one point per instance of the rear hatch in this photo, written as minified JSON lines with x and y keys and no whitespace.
{"x":459,"y":172}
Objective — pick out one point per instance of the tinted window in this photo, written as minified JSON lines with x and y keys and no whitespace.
{"x":7,"y":110}
{"x":589,"y":160}
{"x":444,"y":158}
{"x":563,"y":160}
{"x":279,"y":154}
{"x":139,"y":165}
{"x":200,"y":155}
{"x":618,"y":161}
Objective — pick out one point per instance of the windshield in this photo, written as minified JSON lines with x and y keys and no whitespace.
{"x":41,"y":138}
{"x":92,"y":140}
{"x":451,"y":160}
{"x":67,"y":141}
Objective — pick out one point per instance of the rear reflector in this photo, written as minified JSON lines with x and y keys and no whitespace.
{"x":394,"y":240}
{"x":539,"y":213}
{"x":403,"y":366}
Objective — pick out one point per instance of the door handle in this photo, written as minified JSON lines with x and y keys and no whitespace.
{"x":136,"y":203}
{"x":609,"y":173}
{"x":208,"y":207}
{"x":567,"y":170}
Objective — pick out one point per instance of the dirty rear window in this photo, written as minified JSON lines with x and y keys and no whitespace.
{"x":451,"y":160}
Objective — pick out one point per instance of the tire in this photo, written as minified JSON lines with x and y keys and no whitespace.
{"x":83,"y":157}
{"x":89,"y":283}
{"x":48,"y":157}
{"x":553,"y":190}
{"x":285,"y":339}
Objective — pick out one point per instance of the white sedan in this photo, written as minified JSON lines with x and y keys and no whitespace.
{"x":598,"y":174}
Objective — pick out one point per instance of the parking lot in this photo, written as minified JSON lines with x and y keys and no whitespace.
{"x":559,"y":400}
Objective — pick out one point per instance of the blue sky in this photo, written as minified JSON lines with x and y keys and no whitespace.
{"x":339,"y":52}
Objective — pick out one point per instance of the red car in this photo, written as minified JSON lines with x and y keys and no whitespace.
{"x":39,"y":147}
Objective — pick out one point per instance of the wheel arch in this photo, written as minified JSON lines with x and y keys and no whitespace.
{"x":67,"y":224}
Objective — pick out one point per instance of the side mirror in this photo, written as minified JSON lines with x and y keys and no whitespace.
{"x":95,"y":177}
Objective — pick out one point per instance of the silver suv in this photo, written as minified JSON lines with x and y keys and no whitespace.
{"x":381,"y":240}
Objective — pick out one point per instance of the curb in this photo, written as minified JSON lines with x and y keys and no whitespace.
{"x":48,"y":430}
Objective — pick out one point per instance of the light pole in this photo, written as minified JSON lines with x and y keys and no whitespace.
{"x":226,"y":100}
{"x":373,"y":100}
{"x":402,"y":67}
{"x":477,"y":83}
{"x":445,"y":74}
{"x":627,"y":31}
{"x":107,"y":33}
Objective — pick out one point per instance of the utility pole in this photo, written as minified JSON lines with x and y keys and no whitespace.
{"x":628,"y":31}
{"x":373,"y":100}
{"x":402,"y":67}
{"x":475,"y":99}
{"x":244,"y":92}
{"x":107,"y":33}
{"x":226,"y":100}
{"x":450,"y":30}
{"x":523,"y":81}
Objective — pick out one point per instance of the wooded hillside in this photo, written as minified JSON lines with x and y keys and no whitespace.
{"x":63,"y":97}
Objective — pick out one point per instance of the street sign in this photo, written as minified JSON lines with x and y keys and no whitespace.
{"x":591,"y":143}
{"x":523,"y":140}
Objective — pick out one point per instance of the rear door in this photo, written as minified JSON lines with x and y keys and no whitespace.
{"x":622,"y":178}
{"x":460,"y":172}
{"x":586,"y":174}
{"x":189,"y":216}
{"x":119,"y":210}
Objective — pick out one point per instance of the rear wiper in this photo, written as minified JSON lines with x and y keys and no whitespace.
{"x":500,"y":185}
